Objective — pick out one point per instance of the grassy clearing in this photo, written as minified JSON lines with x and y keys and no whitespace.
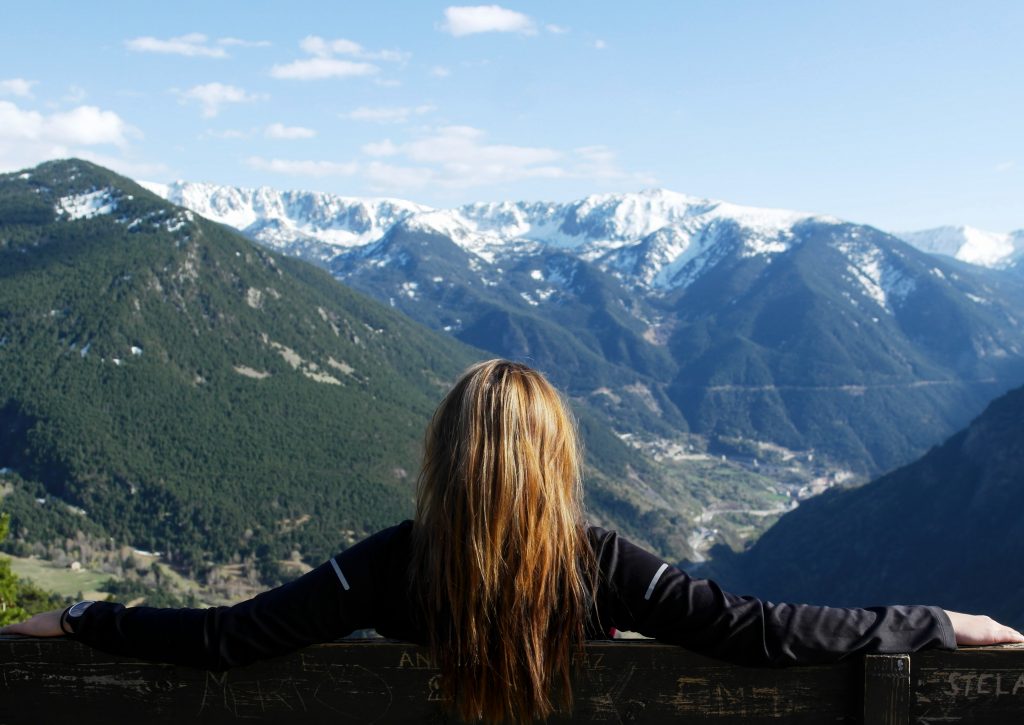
{"x":60,"y":579}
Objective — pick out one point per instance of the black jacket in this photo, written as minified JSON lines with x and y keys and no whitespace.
{"x":366,"y":586}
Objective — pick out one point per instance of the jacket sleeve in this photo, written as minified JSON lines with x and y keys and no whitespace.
{"x":323,"y":605}
{"x":642,"y":593}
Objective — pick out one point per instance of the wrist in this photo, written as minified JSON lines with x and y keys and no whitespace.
{"x":71,"y":616}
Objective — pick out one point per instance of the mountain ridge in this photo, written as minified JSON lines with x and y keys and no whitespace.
{"x":614,"y":292}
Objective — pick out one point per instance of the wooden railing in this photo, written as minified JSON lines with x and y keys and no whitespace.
{"x":374,"y":681}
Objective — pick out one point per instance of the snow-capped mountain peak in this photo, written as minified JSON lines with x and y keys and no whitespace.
{"x":968,"y":244}
{"x":655,"y":238}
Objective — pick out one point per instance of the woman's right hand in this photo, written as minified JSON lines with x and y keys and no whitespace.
{"x":46,"y":624}
{"x":977,"y":629}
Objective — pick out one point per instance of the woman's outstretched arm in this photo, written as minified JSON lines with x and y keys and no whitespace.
{"x":644,"y":594}
{"x":323,"y":605}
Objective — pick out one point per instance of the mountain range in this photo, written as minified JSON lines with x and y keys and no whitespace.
{"x":166,"y":382}
{"x":679,"y":315}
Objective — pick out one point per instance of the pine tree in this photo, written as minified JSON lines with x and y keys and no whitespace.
{"x":9,"y":586}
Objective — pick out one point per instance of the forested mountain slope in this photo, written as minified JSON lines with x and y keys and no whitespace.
{"x":946,"y":529}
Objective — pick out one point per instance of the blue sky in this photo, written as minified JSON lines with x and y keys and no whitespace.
{"x":905,"y":115}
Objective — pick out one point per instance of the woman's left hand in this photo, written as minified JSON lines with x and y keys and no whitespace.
{"x":46,"y":624}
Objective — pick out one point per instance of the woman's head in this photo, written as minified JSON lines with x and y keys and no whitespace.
{"x":500,"y":561}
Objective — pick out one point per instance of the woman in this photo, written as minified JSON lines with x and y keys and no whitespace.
{"x":500,"y":576}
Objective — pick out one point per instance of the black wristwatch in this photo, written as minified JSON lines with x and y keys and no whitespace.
{"x":70,"y":617}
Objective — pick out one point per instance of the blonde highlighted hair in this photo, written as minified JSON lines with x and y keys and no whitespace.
{"x":501,"y":564}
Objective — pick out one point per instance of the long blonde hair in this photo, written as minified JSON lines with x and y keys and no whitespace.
{"x":500,"y":563}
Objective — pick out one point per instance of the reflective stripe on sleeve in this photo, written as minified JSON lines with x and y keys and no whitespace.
{"x":344,"y":581}
{"x":650,"y":587}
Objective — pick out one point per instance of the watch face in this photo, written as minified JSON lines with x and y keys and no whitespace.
{"x":79,"y":609}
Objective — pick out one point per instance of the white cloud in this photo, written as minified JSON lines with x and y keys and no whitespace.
{"x":228,"y":134}
{"x":399,"y":114}
{"x":303,"y":168}
{"x":190,"y":45}
{"x":88,"y":125}
{"x":324,"y":64}
{"x":556,"y":29}
{"x":318,"y":68}
{"x":279,"y":130}
{"x":459,"y":157}
{"x":599,"y":162}
{"x":315,"y":45}
{"x":16,"y":87}
{"x":323,"y":48}
{"x":467,"y":20}
{"x":600,"y":44}
{"x":439,"y":71}
{"x":244,"y":43}
{"x":213,"y":96}
{"x":29,"y":137}
{"x":1004,"y":166}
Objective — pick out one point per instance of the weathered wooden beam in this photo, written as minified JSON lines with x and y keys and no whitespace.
{"x":971,"y":685}
{"x":887,"y":690}
{"x":374,"y":681}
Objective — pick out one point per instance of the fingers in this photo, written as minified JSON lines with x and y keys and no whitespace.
{"x":1012,"y":635}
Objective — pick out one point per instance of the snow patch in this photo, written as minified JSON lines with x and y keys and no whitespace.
{"x":88,"y":205}
{"x":881,"y":281}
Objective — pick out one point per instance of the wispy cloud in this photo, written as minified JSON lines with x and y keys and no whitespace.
{"x":303,"y":167}
{"x":319,"y":68}
{"x":244,"y":43}
{"x":1004,"y":166}
{"x":279,"y":130}
{"x":16,"y":87}
{"x":212,"y":97}
{"x":469,"y":20}
{"x":600,"y":44}
{"x":399,"y":114}
{"x":323,"y":48}
{"x":556,"y":29}
{"x":227,"y":134}
{"x":28,"y":137}
{"x":190,"y":45}
{"x":324,"y":63}
{"x":440,"y":71}
{"x":459,"y":157}
{"x":600,"y":162}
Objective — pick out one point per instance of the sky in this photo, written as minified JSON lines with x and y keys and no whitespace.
{"x":905,"y":115}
